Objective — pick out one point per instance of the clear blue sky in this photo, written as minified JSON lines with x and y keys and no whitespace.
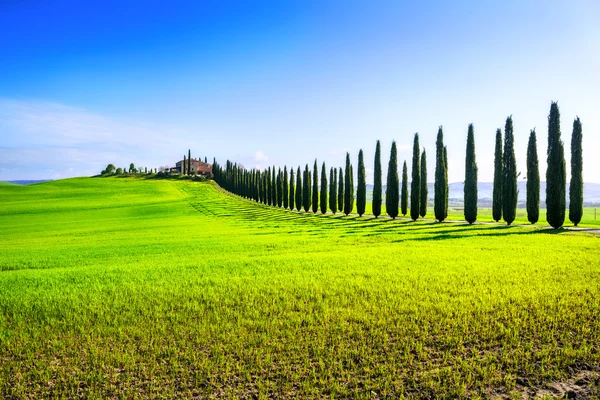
{"x":83,"y":84}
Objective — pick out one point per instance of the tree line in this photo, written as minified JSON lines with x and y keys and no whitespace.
{"x":333,"y":190}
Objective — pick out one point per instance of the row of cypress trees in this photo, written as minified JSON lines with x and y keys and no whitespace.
{"x":505,"y":192}
{"x":304,"y":190}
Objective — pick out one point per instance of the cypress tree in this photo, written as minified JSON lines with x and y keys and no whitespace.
{"x":509,"y":180}
{"x":391,"y":192}
{"x":189,"y":166}
{"x":404,"y":190}
{"x":576,"y":186}
{"x":333,"y":190}
{"x":556,"y":172}
{"x":273,"y":187}
{"x":279,"y":188}
{"x":292,"y":193}
{"x":533,"y":180}
{"x":470,"y":187}
{"x":323,"y":189}
{"x":377,"y":189}
{"x":441,"y":178}
{"x":306,"y":189}
{"x":348,"y":187}
{"x":415,"y":185}
{"x":424,"y":188}
{"x":340,"y":195}
{"x":299,"y":195}
{"x":285,"y":188}
{"x":315,"y":188}
{"x":265,"y":187}
{"x":498,"y":175}
{"x":361,"y":194}
{"x":184,"y":165}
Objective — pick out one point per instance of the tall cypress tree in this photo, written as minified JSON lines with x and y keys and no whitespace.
{"x":470,"y":188}
{"x":348,"y":187}
{"x":556,"y":178}
{"x":279,"y":188}
{"x":509,"y":180}
{"x":424,"y":188}
{"x":441,"y":178}
{"x":340,"y":195}
{"x":415,"y":185}
{"x":533,"y":180}
{"x":576,"y":187}
{"x":361,"y":194}
{"x":404,"y":190}
{"x":391,"y":192}
{"x":269,"y":188}
{"x":323,"y":189}
{"x":498,"y":177}
{"x":315,"y":188}
{"x":273,"y":187}
{"x":184,"y":165}
{"x":333,"y":190}
{"x":189,"y":166}
{"x":299,"y":187}
{"x":306,"y":189}
{"x":377,"y":189}
{"x":285,"y":188}
{"x":292,"y":193}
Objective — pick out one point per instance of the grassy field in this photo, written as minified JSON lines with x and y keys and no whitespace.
{"x":124,"y":287}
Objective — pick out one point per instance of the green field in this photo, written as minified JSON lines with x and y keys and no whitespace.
{"x":125,"y":287}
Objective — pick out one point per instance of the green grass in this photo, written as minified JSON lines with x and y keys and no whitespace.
{"x":124,"y":287}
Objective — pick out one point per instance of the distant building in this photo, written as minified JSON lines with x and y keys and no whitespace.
{"x":200,"y":167}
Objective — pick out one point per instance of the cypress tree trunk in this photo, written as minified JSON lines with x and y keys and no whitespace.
{"x":576,"y":187}
{"x":315,"y":188}
{"x":299,"y":195}
{"x":377,"y":189}
{"x":441,"y":179}
{"x":533,"y":180}
{"x":424,"y":188}
{"x":391,"y":192}
{"x":470,"y":188}
{"x":556,"y":172}
{"x":361,"y":194}
{"x":292,"y":193}
{"x":333,"y":190}
{"x":498,"y":174}
{"x":509,"y":180}
{"x":285,"y":188}
{"x":340,"y":196}
{"x":404,"y":190}
{"x":415,"y":185}
{"x":348,"y":187}
{"x":323,"y":189}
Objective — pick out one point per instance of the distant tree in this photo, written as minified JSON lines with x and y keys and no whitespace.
{"x":470,"y":187}
{"x":340,"y":195}
{"x":377,"y":189}
{"x":441,"y":178}
{"x":361,"y":189}
{"x":509,"y":180}
{"x":273,"y":187}
{"x":183,"y":165}
{"x":285,"y":188}
{"x":498,"y":178}
{"x":206,"y":159}
{"x":119,"y":171}
{"x":110,"y":168}
{"x":189,"y":166}
{"x":533,"y":180}
{"x":279,"y":188}
{"x":556,"y":178}
{"x":404,"y":190}
{"x":333,"y":190}
{"x":299,"y":187}
{"x":323,"y":189}
{"x":391,"y":192}
{"x":415,"y":185}
{"x":132,"y":168}
{"x":315,"y":188}
{"x":306,"y":194}
{"x":269,"y":188}
{"x":576,"y":186}
{"x":292,"y":201}
{"x":348,"y":187}
{"x":424,"y":188}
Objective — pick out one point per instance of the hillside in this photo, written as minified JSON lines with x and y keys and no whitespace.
{"x":133,"y":288}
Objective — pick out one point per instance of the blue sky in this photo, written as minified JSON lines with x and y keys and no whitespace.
{"x":83,"y":84}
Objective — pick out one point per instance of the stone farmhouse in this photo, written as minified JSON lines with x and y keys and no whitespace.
{"x":201,"y":167}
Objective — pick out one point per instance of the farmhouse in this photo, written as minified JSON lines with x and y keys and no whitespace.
{"x":200,"y":167}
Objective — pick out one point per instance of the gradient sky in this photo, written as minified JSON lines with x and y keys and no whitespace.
{"x":84,"y":84}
